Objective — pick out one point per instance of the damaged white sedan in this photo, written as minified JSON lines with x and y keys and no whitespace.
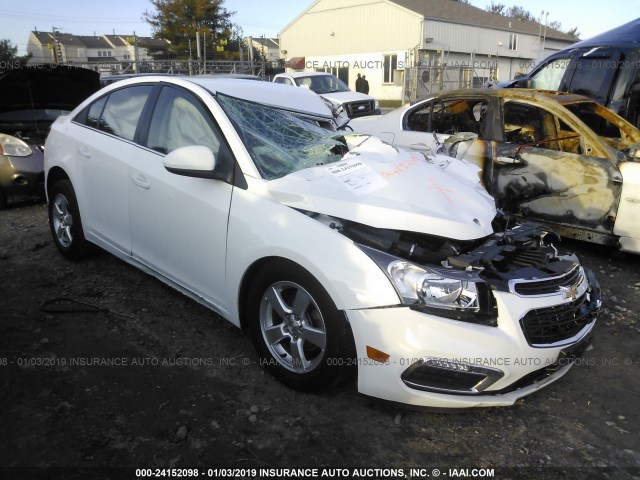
{"x":327,"y":247}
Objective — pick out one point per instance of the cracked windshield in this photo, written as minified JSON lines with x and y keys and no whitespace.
{"x":279,"y":142}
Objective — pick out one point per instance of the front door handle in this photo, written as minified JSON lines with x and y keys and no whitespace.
{"x":141,"y":181}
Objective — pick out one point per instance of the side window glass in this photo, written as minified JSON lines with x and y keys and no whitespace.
{"x":550,"y":76}
{"x":95,"y":112}
{"x":123,"y":109}
{"x":593,"y":76}
{"x":418,"y":119}
{"x":180,"y":120}
{"x":284,"y":80}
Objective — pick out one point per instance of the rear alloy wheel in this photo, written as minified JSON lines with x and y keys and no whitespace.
{"x":301,"y":337}
{"x":65,"y":223}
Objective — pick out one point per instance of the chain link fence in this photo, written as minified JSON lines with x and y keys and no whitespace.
{"x":420,"y":82}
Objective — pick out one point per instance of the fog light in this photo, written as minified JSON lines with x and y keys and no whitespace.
{"x":445,"y":376}
{"x":20,"y":180}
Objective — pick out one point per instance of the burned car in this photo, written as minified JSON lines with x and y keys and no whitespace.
{"x":560,"y":159}
{"x":31,"y":98}
{"x":325,"y":245}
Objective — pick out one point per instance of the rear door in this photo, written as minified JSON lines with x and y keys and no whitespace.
{"x":104,"y":150}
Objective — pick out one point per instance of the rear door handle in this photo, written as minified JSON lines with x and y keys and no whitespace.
{"x":141,"y":181}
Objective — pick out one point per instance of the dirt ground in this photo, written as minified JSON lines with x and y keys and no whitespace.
{"x":104,"y":369}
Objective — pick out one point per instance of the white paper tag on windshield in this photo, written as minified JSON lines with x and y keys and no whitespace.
{"x":357,"y":177}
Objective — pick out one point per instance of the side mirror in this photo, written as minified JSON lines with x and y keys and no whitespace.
{"x":191,"y":161}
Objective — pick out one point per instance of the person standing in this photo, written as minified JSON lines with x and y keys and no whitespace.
{"x":359,"y":85}
{"x":365,"y":85}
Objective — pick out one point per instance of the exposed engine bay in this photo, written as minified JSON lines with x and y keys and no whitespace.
{"x":522,"y":251}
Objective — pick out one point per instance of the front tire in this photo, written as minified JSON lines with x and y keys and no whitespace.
{"x":65,"y":222}
{"x":299,"y":334}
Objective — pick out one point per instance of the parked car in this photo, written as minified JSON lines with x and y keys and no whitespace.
{"x":605,"y":68}
{"x":327,"y":247}
{"x":560,"y":159}
{"x":330,"y":87}
{"x":31,"y":98}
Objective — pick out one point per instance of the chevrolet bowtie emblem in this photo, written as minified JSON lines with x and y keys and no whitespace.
{"x":569,"y":292}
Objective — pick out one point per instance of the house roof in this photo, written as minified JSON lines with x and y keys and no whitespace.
{"x":69,"y":40}
{"x":43,"y":37}
{"x":117,"y":40}
{"x":94,"y":42}
{"x":152,"y":43}
{"x":267,"y":42}
{"x":456,"y":12}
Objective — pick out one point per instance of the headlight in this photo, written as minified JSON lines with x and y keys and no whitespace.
{"x":457,"y":294}
{"x":420,"y":285}
{"x":13,"y":146}
{"x":376,"y":105}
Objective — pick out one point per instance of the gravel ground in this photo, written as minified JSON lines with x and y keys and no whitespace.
{"x":104,"y":370}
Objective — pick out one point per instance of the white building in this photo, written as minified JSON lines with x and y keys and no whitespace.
{"x":446,"y":41}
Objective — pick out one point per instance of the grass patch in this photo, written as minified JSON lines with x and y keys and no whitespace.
{"x":390,"y":103}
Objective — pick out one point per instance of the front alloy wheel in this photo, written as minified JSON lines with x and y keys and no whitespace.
{"x":293,"y":327}
{"x":299,"y":334}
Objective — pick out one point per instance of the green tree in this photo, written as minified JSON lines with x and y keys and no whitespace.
{"x":520,"y":13}
{"x":497,"y":8}
{"x":178,"y":21}
{"x":9,"y":58}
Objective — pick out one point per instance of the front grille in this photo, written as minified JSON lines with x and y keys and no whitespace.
{"x":552,"y":325}
{"x":571,"y":279}
{"x":359,"y":109}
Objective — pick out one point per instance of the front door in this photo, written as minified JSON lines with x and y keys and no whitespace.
{"x":541,"y":173}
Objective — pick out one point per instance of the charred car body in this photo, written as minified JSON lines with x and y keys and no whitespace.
{"x":560,"y":159}
{"x":325,"y":246}
{"x":31,"y":98}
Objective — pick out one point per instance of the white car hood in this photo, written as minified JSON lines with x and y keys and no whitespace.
{"x":345,"y":97}
{"x":381,"y":186}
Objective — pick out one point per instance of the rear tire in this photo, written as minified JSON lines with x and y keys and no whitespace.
{"x":3,"y":200}
{"x":302,"y":339}
{"x":65,"y":222}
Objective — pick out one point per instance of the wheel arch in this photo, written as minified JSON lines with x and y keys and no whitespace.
{"x":55,"y":175}
{"x":247,"y":281}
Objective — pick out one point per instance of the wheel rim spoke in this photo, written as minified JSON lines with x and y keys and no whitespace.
{"x":274,"y":335}
{"x":301,"y":303}
{"x":314,"y":335}
{"x":298,"y":359}
{"x":276,"y":301}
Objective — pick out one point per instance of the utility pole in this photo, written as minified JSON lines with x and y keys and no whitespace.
{"x":135,"y":52}
{"x":57,"y":46}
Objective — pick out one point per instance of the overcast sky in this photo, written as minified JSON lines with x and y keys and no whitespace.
{"x":261,"y":17}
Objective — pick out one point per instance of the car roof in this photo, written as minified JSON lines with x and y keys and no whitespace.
{"x":282,"y":96}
